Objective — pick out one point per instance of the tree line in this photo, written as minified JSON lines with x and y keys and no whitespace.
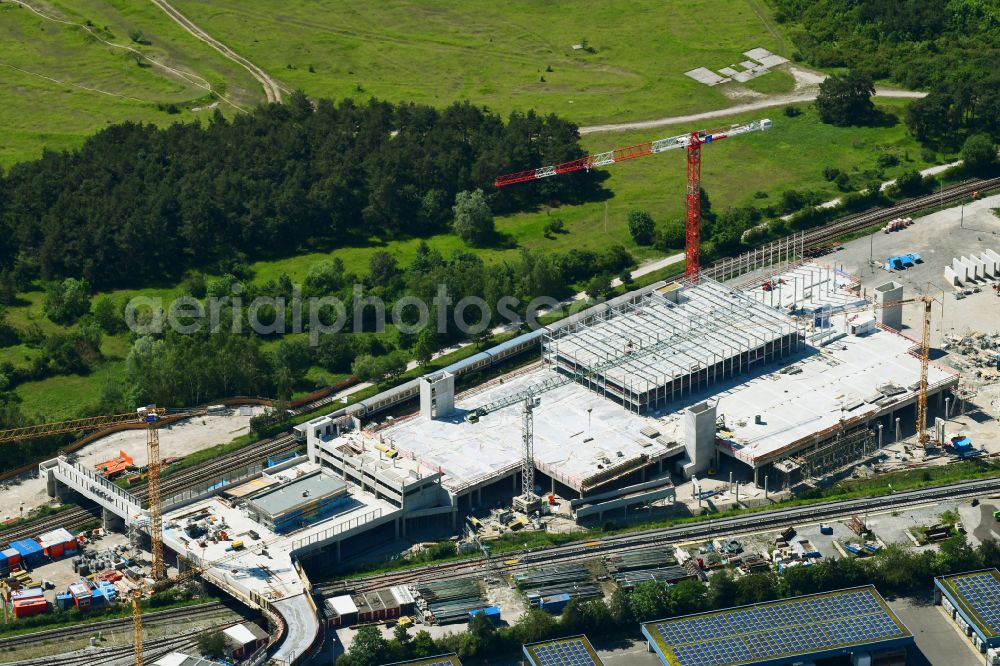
{"x":137,"y":204}
{"x":896,"y":570}
{"x":947,"y":47}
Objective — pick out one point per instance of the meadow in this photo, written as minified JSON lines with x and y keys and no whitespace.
{"x":509,"y":56}
{"x":63,"y":83}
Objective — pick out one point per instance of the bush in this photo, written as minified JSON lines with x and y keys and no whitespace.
{"x":911,"y":184}
{"x":831,"y":173}
{"x":791,"y":201}
{"x":641,"y":226}
{"x":886,"y":160}
{"x":792,"y":111}
{"x":67,"y":301}
{"x":554,"y":226}
{"x":473,"y":218}
{"x":979,"y":153}
{"x":843,"y":182}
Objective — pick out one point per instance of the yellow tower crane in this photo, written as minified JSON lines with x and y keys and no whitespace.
{"x":163,"y":583}
{"x":925,"y":344}
{"x":150,"y":416}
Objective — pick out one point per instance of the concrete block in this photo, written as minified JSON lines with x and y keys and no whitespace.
{"x":699,"y":436}
{"x":961,"y":270}
{"x":970,"y":269}
{"x":978,"y":266}
{"x":992,"y":261}
{"x":951,"y":278}
{"x":437,"y":395}
{"x":889,"y":316}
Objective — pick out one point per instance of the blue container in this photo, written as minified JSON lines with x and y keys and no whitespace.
{"x":826,"y":529}
{"x":64,"y":600}
{"x":492,"y":614}
{"x":30,"y":551}
{"x":554,"y":604}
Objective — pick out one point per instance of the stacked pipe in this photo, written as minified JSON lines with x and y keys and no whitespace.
{"x":448,"y":601}
{"x":548,"y":576}
{"x":650,"y":558}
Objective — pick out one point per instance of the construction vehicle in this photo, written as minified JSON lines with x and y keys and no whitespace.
{"x":692,"y":141}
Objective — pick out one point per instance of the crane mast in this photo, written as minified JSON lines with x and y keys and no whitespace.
{"x":528,"y":501}
{"x":692,"y":141}
{"x":155,"y":509}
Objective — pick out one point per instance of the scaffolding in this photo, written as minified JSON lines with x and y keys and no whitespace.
{"x":650,"y":351}
{"x":846,"y":449}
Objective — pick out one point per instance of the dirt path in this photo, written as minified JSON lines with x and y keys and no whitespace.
{"x":187,"y":77}
{"x":806,"y":89}
{"x":272,"y":90}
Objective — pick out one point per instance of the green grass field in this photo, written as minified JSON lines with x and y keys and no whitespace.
{"x":62,"y":83}
{"x":497,"y":54}
{"x":732,"y":172}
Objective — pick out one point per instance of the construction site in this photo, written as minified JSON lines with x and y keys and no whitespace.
{"x":767,"y":374}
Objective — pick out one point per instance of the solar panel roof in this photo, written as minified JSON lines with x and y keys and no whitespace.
{"x":440,"y":660}
{"x":775,"y":630}
{"x":978,"y":593}
{"x":572,"y":651}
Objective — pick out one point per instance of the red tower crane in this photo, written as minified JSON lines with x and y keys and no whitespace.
{"x":692,"y":141}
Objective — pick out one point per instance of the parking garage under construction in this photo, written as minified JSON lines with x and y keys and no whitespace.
{"x":793,"y":375}
{"x":663,"y":383}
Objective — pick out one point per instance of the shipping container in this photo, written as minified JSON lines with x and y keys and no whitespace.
{"x":12,"y":557}
{"x":30,"y":551}
{"x":492,"y":614}
{"x":64,"y":601}
{"x":29,"y":607}
{"x":554,"y":604}
{"x":29,"y":593}
{"x":81,"y":594}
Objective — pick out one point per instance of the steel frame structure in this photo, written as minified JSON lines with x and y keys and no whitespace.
{"x":713,"y":333}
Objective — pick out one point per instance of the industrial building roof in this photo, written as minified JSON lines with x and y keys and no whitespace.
{"x":245,"y":633}
{"x":301,"y":491}
{"x":250,"y":487}
{"x":977,"y":595}
{"x":181,"y":659}
{"x":571,"y":651}
{"x":342,"y":605}
{"x":578,"y":434}
{"x":55,"y":537}
{"x":831,"y":381}
{"x":440,"y":660}
{"x":779,"y":632}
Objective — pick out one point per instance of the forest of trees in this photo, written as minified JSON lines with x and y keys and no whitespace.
{"x":948,"y":47}
{"x":897,"y":570}
{"x":139,"y":204}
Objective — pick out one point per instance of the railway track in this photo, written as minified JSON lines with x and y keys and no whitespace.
{"x":749,"y":523}
{"x":149,"y":619}
{"x":75,"y":517}
{"x":121,"y":654}
{"x":828,"y":233}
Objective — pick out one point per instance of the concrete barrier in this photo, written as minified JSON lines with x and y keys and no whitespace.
{"x":951,"y":278}
{"x":961,"y":270}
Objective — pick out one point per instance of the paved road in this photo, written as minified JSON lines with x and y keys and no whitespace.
{"x":806,"y":89}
